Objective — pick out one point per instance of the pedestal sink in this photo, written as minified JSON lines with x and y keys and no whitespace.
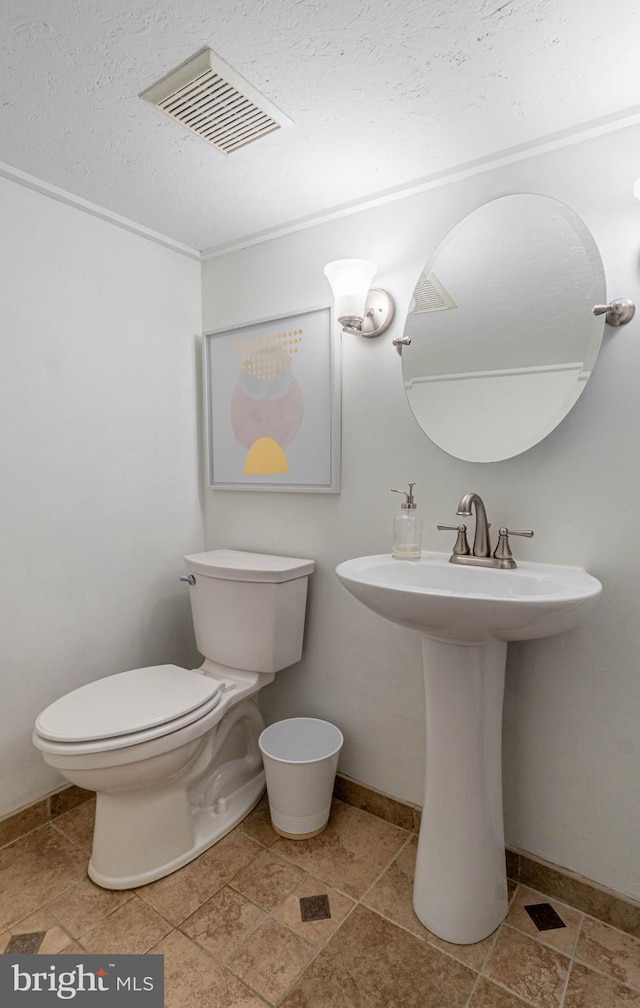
{"x":466,"y":615}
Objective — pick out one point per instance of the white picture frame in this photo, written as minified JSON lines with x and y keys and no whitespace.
{"x":272,"y":404}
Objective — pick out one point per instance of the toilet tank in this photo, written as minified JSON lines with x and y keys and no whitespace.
{"x":248,"y":608}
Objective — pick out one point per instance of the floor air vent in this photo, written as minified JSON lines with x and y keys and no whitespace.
{"x":211,"y":99}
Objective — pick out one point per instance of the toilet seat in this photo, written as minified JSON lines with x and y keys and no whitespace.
{"x":127,"y":708}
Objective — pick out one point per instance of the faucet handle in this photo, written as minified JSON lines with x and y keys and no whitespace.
{"x":461,"y":547}
{"x":503,"y":550}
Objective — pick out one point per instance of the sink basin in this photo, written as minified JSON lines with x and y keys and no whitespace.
{"x":466,"y":616}
{"x":473,"y":604}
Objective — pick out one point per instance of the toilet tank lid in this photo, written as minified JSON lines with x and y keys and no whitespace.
{"x":236,"y":565}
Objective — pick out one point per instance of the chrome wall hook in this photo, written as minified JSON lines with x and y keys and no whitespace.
{"x":618,"y":312}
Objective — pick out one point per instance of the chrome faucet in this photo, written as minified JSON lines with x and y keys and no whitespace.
{"x":481,"y":555}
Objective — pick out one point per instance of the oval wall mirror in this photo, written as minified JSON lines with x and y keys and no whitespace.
{"x":503,"y":336}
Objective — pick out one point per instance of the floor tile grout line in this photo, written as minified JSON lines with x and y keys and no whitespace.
{"x":69,"y":839}
{"x":218,"y":962}
{"x":611,"y":927}
{"x":134,"y":897}
{"x":552,"y":898}
{"x":584,"y":917}
{"x":609,"y":976}
{"x":579,"y":931}
{"x":336,"y":885}
{"x":358,"y":901}
{"x":425,"y":939}
{"x":47,"y":908}
{"x":573,"y":956}
{"x":23,"y":836}
{"x":318,"y":952}
{"x":566,"y":983}
{"x":209,"y":952}
{"x":355,"y":902}
{"x":505,"y":926}
{"x":290,"y":861}
{"x":472,"y":991}
{"x":537,"y":935}
{"x":432,"y":945}
{"x":226,"y":965}
{"x":508,"y":990}
{"x":535,"y":938}
{"x":48,"y":821}
{"x":42,"y":827}
{"x":386,"y":867}
{"x":495,"y":935}
{"x":8,"y":925}
{"x":268,"y":914}
{"x":43,"y":908}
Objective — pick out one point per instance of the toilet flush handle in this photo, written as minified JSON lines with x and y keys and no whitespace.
{"x":189,"y":578}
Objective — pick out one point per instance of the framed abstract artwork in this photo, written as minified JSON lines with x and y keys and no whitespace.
{"x":272,"y":400}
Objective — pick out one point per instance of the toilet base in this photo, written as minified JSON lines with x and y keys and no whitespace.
{"x":150,"y":828}
{"x":209,"y":826}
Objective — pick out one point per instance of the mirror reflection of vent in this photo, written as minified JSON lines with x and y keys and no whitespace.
{"x":211,"y":99}
{"x":430,"y":295}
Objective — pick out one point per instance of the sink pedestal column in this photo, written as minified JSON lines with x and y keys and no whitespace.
{"x":460,"y":887}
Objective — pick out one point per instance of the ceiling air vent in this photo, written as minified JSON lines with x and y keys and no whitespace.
{"x":430,"y":295}
{"x":211,"y":99}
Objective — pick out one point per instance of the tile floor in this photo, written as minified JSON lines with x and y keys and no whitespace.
{"x":325,"y":923}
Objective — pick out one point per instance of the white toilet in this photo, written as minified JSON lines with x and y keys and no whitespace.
{"x":172,"y":753}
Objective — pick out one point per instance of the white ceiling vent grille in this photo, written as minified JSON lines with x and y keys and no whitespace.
{"x":212,"y":100}
{"x":430,"y":295}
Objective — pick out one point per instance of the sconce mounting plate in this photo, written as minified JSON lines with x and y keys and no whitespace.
{"x":379,"y":313}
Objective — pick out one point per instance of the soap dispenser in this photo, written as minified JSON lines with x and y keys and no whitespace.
{"x":407,"y":528}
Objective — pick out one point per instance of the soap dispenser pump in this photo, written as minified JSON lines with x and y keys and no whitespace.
{"x":407,"y":528}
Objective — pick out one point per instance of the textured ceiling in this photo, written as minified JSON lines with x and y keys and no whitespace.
{"x":383,"y":94}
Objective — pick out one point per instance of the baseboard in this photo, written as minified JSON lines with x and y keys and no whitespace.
{"x":399,"y":813}
{"x":552,"y":880}
{"x":45,"y":810}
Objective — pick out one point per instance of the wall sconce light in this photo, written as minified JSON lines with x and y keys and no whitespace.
{"x":361,"y":310}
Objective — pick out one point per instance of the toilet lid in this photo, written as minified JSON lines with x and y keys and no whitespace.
{"x":128,"y":702}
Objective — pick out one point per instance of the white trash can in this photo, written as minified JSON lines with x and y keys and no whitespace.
{"x":300,"y":757}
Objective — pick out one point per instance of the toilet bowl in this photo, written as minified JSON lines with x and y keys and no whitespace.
{"x":172,"y":753}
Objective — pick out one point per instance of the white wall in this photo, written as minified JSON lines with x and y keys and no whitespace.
{"x":99,"y":453}
{"x":572,"y":712}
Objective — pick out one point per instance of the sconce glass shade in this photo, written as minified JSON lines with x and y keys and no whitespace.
{"x":636,"y":188}
{"x":350,"y":280}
